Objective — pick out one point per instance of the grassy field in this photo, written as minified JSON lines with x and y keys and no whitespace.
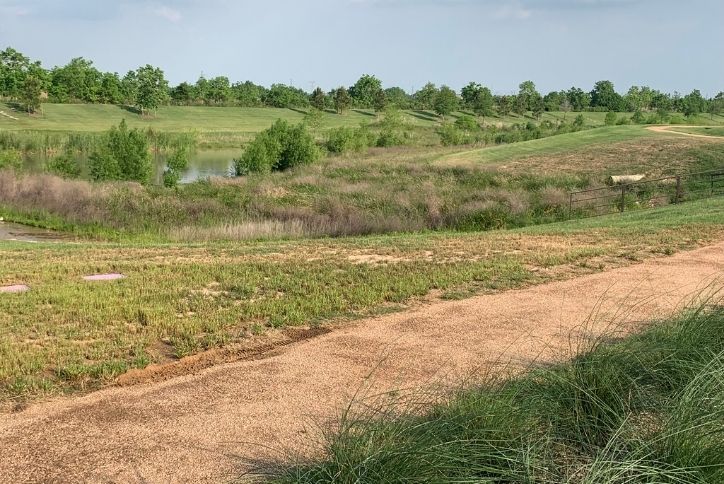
{"x":99,"y":117}
{"x":68,"y":335}
{"x":708,"y":130}
{"x":379,"y":191}
{"x":646,"y":409}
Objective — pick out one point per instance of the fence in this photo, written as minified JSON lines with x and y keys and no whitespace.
{"x":646,"y":193}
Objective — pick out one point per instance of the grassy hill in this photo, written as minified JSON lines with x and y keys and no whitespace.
{"x":98,"y":117}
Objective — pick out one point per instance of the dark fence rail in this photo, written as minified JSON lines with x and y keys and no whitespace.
{"x":645,"y":193}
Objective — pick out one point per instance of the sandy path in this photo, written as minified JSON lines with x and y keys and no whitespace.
{"x":202,"y":428}
{"x":672,"y":129}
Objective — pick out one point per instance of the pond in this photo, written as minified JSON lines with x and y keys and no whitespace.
{"x":26,"y":233}
{"x":202,"y":164}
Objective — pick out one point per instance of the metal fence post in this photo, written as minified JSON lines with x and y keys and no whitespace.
{"x":678,"y":189}
{"x":570,"y":205}
{"x":623,"y":198}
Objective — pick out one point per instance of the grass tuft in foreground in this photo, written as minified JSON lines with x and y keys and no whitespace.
{"x":646,"y":409}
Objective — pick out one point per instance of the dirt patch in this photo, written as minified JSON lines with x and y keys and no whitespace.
{"x":256,"y":348}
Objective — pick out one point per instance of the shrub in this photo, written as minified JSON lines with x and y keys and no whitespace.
{"x":467,"y":123}
{"x":64,"y":165}
{"x":123,"y":155}
{"x":11,"y":159}
{"x":638,"y":117}
{"x":345,"y":139}
{"x":393,"y":130}
{"x":280,"y":147}
{"x":623,"y":120}
{"x":610,"y":119}
{"x":579,"y":122}
{"x":175,"y":165}
{"x":451,"y":135}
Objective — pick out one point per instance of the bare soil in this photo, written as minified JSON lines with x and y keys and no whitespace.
{"x":217,"y":423}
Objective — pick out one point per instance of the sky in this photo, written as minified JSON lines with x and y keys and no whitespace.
{"x":671,"y":45}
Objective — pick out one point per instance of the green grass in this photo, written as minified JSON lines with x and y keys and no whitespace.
{"x":69,"y":335}
{"x":647,"y":409}
{"x":708,"y":130}
{"x":552,"y":145}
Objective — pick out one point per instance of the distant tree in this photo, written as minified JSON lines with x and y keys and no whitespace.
{"x":537,"y":106}
{"x":553,"y":100}
{"x":520,"y":105}
{"x":13,"y":70}
{"x":604,"y":96}
{"x":183,"y":94}
{"x":578,"y":98}
{"x":397,"y":97}
{"x":152,"y":88}
{"x":283,"y":96}
{"x":469,"y":94}
{"x":201,"y":89}
{"x":638,"y":117}
{"x":565,"y":106}
{"x":693,"y":103}
{"x":483,"y":103}
{"x":219,"y":90}
{"x":318,"y":99}
{"x":716,"y":105}
{"x":364,"y":91}
{"x":504,"y":105}
{"x":110,"y":90}
{"x":380,"y":102}
{"x":247,"y":94}
{"x":129,"y":88}
{"x":527,"y":94}
{"x":76,"y":81}
{"x":176,"y":163}
{"x":425,"y":97}
{"x":341,"y":100}
{"x":446,"y":101}
{"x":30,"y":94}
{"x":579,"y":122}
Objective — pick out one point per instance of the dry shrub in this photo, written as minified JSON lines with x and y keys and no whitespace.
{"x":249,"y":230}
{"x":551,"y":197}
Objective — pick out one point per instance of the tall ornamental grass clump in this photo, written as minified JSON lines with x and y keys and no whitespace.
{"x":647,"y":409}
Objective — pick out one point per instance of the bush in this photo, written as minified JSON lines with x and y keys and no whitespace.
{"x":579,"y":122}
{"x":451,"y":135}
{"x":64,"y":165}
{"x":638,"y":117}
{"x":393,"y":130}
{"x":175,"y":165}
{"x":280,"y":147}
{"x":123,"y":155}
{"x":467,"y":123}
{"x":623,"y":120}
{"x":11,"y":159}
{"x":610,"y":119}
{"x":344,"y":139}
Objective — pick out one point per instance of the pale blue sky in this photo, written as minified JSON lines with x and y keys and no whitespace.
{"x":673,"y":45}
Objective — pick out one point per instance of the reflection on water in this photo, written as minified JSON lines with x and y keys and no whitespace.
{"x":25,"y":233}
{"x":202,"y":164}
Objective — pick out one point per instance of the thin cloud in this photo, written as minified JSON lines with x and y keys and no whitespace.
{"x":168,"y":13}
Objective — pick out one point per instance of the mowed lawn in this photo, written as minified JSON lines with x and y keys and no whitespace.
{"x":98,"y":117}
{"x":69,"y":335}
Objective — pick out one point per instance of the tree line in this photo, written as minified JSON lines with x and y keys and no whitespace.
{"x":145,"y":89}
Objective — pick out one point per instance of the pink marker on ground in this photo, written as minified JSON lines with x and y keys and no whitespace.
{"x":14,"y":288}
{"x":104,"y":277}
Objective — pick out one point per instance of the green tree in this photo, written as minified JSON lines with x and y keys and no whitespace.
{"x":152,"y":88}
{"x":341,"y":100}
{"x":380,"y":103}
{"x":604,"y":96}
{"x":30,"y":94}
{"x":504,"y":105}
{"x":129,"y":88}
{"x":446,"y":101}
{"x":527,"y":94}
{"x":219,"y":90}
{"x":610,"y":119}
{"x":110,"y":90}
{"x":425,"y":97}
{"x":318,"y":99}
{"x":693,"y":103}
{"x":397,"y":97}
{"x":364,"y":91}
{"x":537,"y":106}
{"x":283,"y":96}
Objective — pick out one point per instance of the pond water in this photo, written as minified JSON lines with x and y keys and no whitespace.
{"x":202,"y":164}
{"x":26,"y":233}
